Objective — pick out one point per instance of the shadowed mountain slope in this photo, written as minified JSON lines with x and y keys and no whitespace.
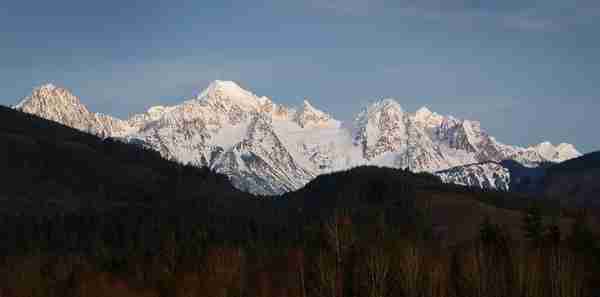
{"x":575,"y":181}
{"x":50,"y":168}
{"x":46,"y":165}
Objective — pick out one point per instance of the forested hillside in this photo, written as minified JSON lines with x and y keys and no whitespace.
{"x":575,"y":181}
{"x":84,"y":216}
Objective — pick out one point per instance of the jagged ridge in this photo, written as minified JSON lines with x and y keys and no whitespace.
{"x":266,"y":148}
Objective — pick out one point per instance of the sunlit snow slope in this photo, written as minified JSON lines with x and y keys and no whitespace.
{"x":266,"y":148}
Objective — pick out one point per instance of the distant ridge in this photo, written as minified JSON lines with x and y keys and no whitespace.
{"x":267,"y":148}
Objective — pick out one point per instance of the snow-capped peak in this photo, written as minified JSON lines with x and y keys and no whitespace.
{"x":229,"y":97}
{"x":567,"y":147}
{"x":60,"y":105}
{"x":48,"y":95}
{"x":380,"y":128}
{"x":309,"y":110}
{"x":268,"y":148}
{"x":545,"y":148}
{"x":567,"y":151}
{"x":424,"y":112}
{"x":559,"y":153}
{"x":156,"y":110}
{"x":387,"y":103}
{"x":308,"y":107}
{"x":373,"y":112}
{"x":220,"y":89}
{"x":225,"y":88}
{"x":47,"y":87}
{"x":309,"y":117}
{"x":428,"y":118}
{"x":473,"y":131}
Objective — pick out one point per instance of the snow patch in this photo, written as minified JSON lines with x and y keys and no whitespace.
{"x":268,"y":148}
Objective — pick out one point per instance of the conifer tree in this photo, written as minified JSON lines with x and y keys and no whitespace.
{"x":582,"y":237}
{"x":533,"y":226}
{"x":488,"y":232}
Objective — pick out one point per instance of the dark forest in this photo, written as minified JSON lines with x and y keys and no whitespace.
{"x":84,"y":216}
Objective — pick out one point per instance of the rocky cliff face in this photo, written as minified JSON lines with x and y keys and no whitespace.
{"x":59,"y":105}
{"x":489,"y":175}
{"x":267,"y":148}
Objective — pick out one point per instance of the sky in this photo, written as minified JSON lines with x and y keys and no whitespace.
{"x":528,"y":70}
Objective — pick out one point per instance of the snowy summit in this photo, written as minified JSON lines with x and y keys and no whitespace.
{"x":268,"y":148}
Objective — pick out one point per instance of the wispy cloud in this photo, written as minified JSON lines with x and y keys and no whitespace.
{"x":555,"y":15}
{"x":532,"y":15}
{"x":346,"y":7}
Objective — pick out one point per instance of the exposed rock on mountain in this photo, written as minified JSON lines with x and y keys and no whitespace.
{"x":59,"y":105}
{"x":310,"y":117}
{"x":488,"y":175}
{"x":266,"y":148}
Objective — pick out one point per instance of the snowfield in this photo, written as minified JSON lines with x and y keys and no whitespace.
{"x":268,"y":149}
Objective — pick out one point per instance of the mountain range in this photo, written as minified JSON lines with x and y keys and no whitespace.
{"x":267,"y":148}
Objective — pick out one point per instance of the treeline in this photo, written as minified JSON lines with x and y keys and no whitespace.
{"x":83,"y":216}
{"x":332,"y":258}
{"x":47,"y":167}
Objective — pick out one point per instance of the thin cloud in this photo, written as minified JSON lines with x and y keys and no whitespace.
{"x":555,"y":15}
{"x":549,"y":15}
{"x":346,"y":7}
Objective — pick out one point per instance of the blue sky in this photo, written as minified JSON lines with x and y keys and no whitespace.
{"x":529,"y":70}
